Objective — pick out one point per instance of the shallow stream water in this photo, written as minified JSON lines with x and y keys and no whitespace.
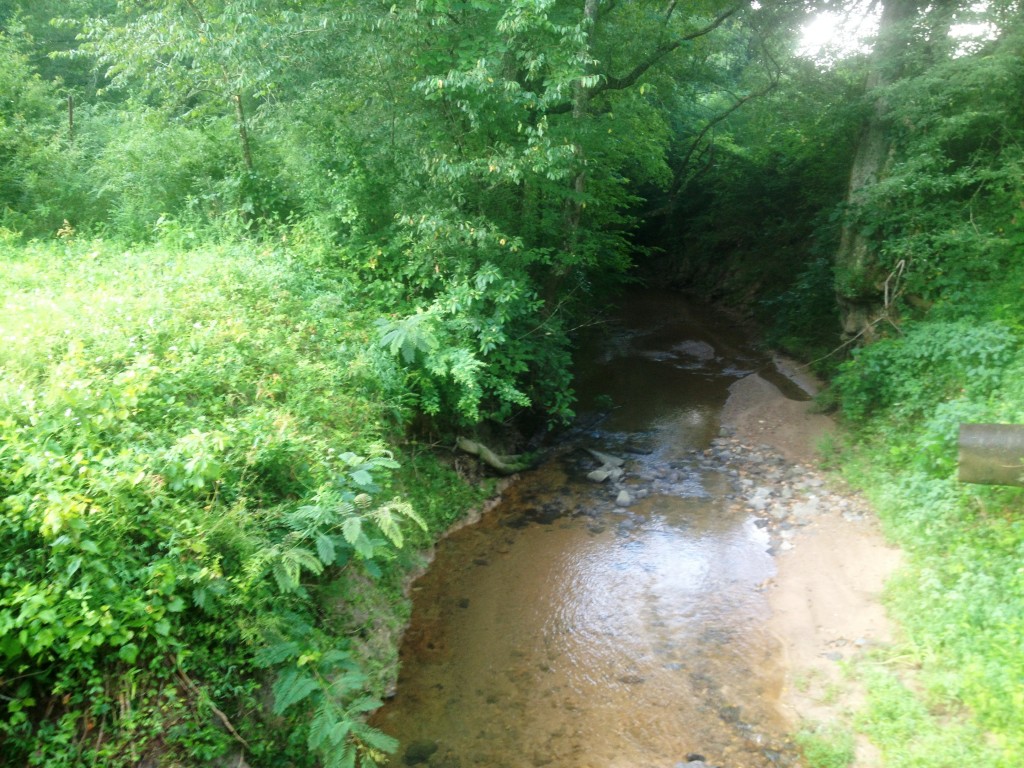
{"x":568,"y":630}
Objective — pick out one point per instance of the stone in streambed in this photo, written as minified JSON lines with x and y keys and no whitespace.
{"x":606,"y":459}
{"x":624,"y":499}
{"x":807,"y":509}
{"x":419,"y":752}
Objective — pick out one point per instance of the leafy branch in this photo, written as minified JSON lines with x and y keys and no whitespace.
{"x":622,"y":82}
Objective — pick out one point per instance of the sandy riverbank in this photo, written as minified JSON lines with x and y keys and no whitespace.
{"x":826,"y":596}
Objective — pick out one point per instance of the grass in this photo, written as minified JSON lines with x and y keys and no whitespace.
{"x":199,"y":502}
{"x":826,"y":746}
{"x":951,"y":692}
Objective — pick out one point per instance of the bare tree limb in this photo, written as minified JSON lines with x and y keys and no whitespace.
{"x":774,"y":75}
{"x":670,"y":10}
{"x":722,"y":116}
{"x":506,"y":465}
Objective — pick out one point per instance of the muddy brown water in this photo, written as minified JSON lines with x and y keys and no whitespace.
{"x":564,"y":630}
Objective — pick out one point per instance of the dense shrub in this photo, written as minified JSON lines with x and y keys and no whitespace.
{"x":28,"y":135}
{"x":191,"y":454}
{"x":927,"y":364}
{"x":960,"y":597}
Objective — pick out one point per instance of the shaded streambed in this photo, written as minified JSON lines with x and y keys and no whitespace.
{"x":568,"y":630}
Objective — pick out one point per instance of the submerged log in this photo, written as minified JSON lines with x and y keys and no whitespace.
{"x":992,"y":454}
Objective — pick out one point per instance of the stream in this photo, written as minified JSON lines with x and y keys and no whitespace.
{"x":576,"y":625}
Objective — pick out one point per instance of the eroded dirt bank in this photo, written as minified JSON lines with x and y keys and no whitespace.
{"x":832,"y":560}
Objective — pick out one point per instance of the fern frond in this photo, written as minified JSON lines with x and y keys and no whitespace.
{"x":291,"y":687}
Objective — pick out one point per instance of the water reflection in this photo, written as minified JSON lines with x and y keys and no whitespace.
{"x":609,"y":636}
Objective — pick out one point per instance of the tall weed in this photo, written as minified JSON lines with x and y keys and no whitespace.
{"x":960,"y":596}
{"x":191,"y":451}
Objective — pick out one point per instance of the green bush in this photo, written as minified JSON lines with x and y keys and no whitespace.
{"x":960,"y":596}
{"x":474,"y":339}
{"x":29,"y":148}
{"x":826,"y":747}
{"x":190,"y":453}
{"x":927,"y":364}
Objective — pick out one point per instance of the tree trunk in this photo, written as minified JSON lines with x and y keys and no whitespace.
{"x":580,"y":109}
{"x":243,"y":132}
{"x":574,"y":202}
{"x":859,"y":277}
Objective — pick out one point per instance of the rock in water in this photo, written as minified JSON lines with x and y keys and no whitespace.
{"x":624,"y":499}
{"x":606,"y":460}
{"x":420,"y":752}
{"x":632,"y":679}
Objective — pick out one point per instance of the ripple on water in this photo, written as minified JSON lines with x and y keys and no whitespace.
{"x":563,"y":631}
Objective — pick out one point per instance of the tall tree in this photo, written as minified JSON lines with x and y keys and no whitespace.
{"x":191,"y":55}
{"x":858,"y":274}
{"x":28,"y":121}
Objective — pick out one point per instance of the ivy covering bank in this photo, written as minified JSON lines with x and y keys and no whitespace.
{"x":203,"y":527}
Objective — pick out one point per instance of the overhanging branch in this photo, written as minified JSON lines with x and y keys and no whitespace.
{"x":722,"y":116}
{"x":663,"y":50}
{"x":610,"y":83}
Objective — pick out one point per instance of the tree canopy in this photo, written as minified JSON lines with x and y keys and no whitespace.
{"x":439,"y":192}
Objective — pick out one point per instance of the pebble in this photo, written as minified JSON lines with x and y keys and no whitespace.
{"x":781,"y":495}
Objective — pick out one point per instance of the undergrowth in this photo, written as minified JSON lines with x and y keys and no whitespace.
{"x":826,"y":746}
{"x":201,"y":519}
{"x":952,"y":691}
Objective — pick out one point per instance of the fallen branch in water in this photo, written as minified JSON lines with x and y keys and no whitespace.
{"x":507,"y":465}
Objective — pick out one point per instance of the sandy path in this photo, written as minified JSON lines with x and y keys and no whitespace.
{"x":826,"y":597}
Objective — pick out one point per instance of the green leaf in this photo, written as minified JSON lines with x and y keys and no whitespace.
{"x":364,"y":704}
{"x":388,"y":525}
{"x":352,"y":529}
{"x":364,"y":547}
{"x":377,"y":739}
{"x":325,"y":549}
{"x":273,"y":655}
{"x":343,"y":758}
{"x":291,"y":687}
{"x":128,"y":653}
{"x":339,"y":732}
{"x":90,"y":546}
{"x":326,"y":727}
{"x":287,"y":581}
{"x":362,"y":478}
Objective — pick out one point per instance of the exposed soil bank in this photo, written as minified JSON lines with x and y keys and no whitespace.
{"x":826,"y":596}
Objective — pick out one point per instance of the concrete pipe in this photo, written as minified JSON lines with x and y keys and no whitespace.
{"x":992,"y":454}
